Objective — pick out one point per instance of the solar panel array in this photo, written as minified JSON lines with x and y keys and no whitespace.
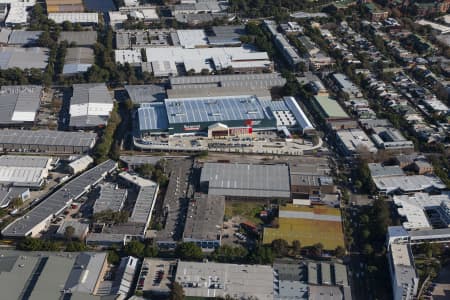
{"x":214,"y":109}
{"x":253,"y":78}
{"x":58,"y":201}
{"x":144,"y":204}
{"x":153,"y":116}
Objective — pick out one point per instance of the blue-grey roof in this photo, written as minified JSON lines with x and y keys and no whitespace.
{"x":75,"y":68}
{"x":214,"y":109}
{"x":153,"y":116}
{"x":22,"y":37}
{"x":146,"y":93}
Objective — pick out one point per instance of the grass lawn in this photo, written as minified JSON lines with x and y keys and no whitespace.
{"x":245,"y":209}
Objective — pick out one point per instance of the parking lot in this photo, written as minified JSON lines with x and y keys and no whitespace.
{"x":155,"y":276}
{"x":233,"y":235}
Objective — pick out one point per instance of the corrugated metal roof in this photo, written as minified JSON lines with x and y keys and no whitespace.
{"x":214,"y":109}
{"x":153,"y":116}
{"x":58,"y":201}
{"x":246,"y":180}
{"x":22,"y":37}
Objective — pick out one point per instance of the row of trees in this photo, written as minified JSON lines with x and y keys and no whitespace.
{"x":106,"y":146}
{"x":279,"y":9}
{"x":32,"y":244}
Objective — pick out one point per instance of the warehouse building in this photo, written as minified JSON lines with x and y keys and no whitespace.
{"x":17,"y":15}
{"x":110,"y":198}
{"x":80,"y":230}
{"x":259,"y":85}
{"x":212,"y":280}
{"x":332,"y":113}
{"x":130,"y":56}
{"x":131,"y":39}
{"x":164,"y":61}
{"x":404,"y":279}
{"x":46,"y":141}
{"x":423,"y":211}
{"x":23,"y":58}
{"x":24,"y":171}
{"x":52,"y":275}
{"x":39,"y":218}
{"x":19,"y":104}
{"x":145,"y":200}
{"x":246,"y":181}
{"x":204,"y":221}
{"x":79,"y":38}
{"x":146,"y":93}
{"x":392,"y":179}
{"x":226,"y":35}
{"x":81,"y":164}
{"x":78,"y":60}
{"x":24,"y":38}
{"x":90,"y":105}
{"x":353,"y":142}
{"x":83,"y":18}
{"x":221,"y":116}
{"x":9,"y":193}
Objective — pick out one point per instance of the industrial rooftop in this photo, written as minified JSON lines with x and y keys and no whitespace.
{"x":36,"y":219}
{"x":19,"y":103}
{"x":245,"y":180}
{"x":208,"y":279}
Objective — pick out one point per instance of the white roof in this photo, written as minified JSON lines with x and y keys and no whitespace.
{"x":442,"y":28}
{"x":239,"y":281}
{"x":223,"y":57}
{"x":17,"y":14}
{"x":412,"y":207}
{"x":413,"y":183}
{"x":81,"y":163}
{"x":150,"y":13}
{"x":24,"y":2}
{"x":131,"y":2}
{"x":117,"y":16}
{"x":192,"y":38}
{"x":137,"y":180}
{"x":299,"y":115}
{"x":132,"y":56}
{"x":74,"y":17}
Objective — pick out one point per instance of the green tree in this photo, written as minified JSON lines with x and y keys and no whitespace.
{"x":296,"y":247}
{"x":145,"y":170}
{"x":176,"y":292}
{"x":16,"y":202}
{"x":75,"y":247}
{"x":316,"y":250}
{"x":69,"y":232}
{"x":150,"y":251}
{"x":134,"y":248}
{"x":367,"y":249}
{"x":188,"y":251}
{"x":113,"y":257}
{"x":280,"y":247}
{"x":339,"y":252}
